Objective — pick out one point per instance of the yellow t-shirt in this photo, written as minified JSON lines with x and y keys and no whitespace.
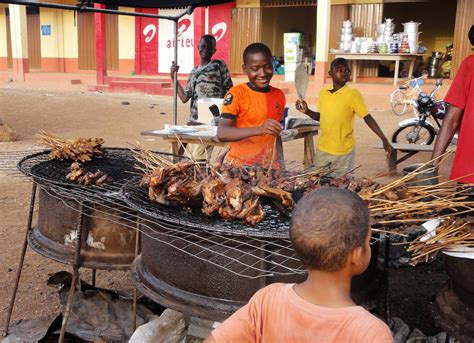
{"x":338,"y":112}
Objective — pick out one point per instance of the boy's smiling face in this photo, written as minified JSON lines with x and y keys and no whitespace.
{"x":259,"y":69}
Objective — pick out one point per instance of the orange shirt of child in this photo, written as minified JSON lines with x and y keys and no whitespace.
{"x":277,"y":314}
{"x":250,"y":108}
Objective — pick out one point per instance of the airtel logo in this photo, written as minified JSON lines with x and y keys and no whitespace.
{"x":149,"y":31}
{"x":219,"y":30}
{"x":183,"y":26}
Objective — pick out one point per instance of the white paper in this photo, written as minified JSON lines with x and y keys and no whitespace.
{"x":430,"y":227}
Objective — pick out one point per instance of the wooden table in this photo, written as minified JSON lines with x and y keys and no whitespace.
{"x":306,"y":133}
{"x":381,"y":57}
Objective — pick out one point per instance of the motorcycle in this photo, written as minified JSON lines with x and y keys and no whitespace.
{"x":421,"y":130}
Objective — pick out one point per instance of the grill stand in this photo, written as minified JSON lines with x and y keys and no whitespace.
{"x":22,"y":259}
{"x":75,"y":266}
{"x":135,"y":295}
{"x":386,"y":282}
{"x":75,"y":275}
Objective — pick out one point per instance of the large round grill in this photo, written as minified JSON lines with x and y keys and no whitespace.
{"x":108,"y":226}
{"x":208,"y":267}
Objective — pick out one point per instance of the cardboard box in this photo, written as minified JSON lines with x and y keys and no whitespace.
{"x":204,"y":114}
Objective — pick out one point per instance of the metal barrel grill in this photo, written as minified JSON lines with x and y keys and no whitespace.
{"x":107,"y":240}
{"x":454,"y":303}
{"x":208,"y":267}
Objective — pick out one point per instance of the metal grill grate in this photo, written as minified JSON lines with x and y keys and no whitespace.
{"x":274,"y":224}
{"x":116,"y":162}
{"x":227,"y":245}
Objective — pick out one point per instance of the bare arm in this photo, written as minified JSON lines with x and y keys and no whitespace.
{"x":210,"y":339}
{"x":302,"y":106}
{"x":451,"y":122}
{"x":174,"y":70}
{"x":228,"y":133}
{"x":372,"y":124}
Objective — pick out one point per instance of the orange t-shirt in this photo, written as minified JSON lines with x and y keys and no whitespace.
{"x":277,"y":314}
{"x":250,"y":108}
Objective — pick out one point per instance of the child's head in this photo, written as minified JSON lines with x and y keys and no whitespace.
{"x":207,"y":47}
{"x":258,"y":65}
{"x":340,"y":71}
{"x":330,"y":231}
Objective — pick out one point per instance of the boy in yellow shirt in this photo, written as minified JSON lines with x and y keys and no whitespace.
{"x":338,"y":105}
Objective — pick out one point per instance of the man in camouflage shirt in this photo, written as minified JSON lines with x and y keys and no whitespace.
{"x":210,"y":79}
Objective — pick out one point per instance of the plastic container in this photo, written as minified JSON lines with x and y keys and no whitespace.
{"x":204,"y":114}
{"x":426,"y":178}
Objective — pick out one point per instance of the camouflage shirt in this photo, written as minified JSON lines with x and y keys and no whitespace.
{"x":209,"y":81}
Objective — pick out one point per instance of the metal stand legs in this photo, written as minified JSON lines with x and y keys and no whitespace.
{"x":386,"y":279}
{"x":75,"y":276}
{"x":22,"y":259}
{"x":137,"y":251}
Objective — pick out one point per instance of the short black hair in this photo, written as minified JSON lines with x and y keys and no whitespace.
{"x":326,"y":226}
{"x":256,"y":48}
{"x":209,"y":38}
{"x":338,"y":62}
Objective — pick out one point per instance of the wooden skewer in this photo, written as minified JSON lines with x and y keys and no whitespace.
{"x":390,"y":232}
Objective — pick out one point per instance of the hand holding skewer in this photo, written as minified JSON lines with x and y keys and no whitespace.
{"x":302,"y":106}
{"x":270,"y":127}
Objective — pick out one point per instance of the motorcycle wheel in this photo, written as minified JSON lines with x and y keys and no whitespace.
{"x":414,"y":134}
{"x":398,"y":101}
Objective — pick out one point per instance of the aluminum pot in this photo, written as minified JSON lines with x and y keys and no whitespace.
{"x":428,"y":177}
{"x":106,"y":242}
{"x":413,"y":36}
{"x":461,"y":273}
{"x":346,"y":37}
{"x":411,"y":26}
{"x":380,"y":28}
{"x":346,"y":23}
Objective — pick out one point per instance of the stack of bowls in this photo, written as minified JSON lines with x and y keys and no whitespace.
{"x":346,"y":36}
{"x":380,"y":29}
{"x":410,"y":29}
{"x":388,"y":28}
{"x":394,"y":44}
{"x":365,"y":45}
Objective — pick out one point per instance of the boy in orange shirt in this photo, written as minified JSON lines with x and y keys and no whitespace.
{"x":252,"y":112}
{"x":330,"y":232}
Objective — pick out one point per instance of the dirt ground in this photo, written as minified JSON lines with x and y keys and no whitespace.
{"x":74,"y":114}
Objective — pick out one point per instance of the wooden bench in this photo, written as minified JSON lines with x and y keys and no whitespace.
{"x":408,"y":149}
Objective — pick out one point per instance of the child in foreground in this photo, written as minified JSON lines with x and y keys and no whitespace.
{"x":330,"y":233}
{"x":252,"y":112}
{"x":338,"y":105}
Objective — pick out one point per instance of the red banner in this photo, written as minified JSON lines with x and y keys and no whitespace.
{"x":219,"y":25}
{"x":146,"y":43}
